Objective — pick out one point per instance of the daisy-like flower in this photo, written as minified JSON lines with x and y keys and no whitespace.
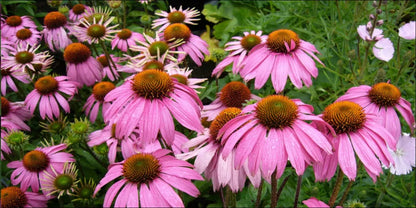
{"x":183,"y":76}
{"x":125,"y":39}
{"x":148,"y":102}
{"x":270,"y":132}
{"x":381,"y":99}
{"x":148,"y":180}
{"x":13,"y":115}
{"x":239,"y":50}
{"x":84,"y":191}
{"x":209,"y":158}
{"x":26,"y":36}
{"x":111,"y":73}
{"x":193,"y":45}
{"x":16,"y":197}
{"x":404,"y":155}
{"x":187,"y":16}
{"x":60,"y":183}
{"x":407,"y":31}
{"x":14,"y":23}
{"x":34,"y":164}
{"x":356,"y":133}
{"x":233,"y":94}
{"x":78,"y":11}
{"x":7,"y":77}
{"x":24,"y":58}
{"x":81,"y":66}
{"x":6,"y":46}
{"x":95,"y":31}
{"x":54,"y":33}
{"x":284,"y":54}
{"x":4,"y":147}
{"x":47,"y":94}
{"x":383,"y":48}
{"x":92,"y":106}
{"x":314,"y":202}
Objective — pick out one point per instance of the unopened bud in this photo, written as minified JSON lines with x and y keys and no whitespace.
{"x":371,"y":17}
{"x":114,"y":3}
{"x":379,"y":11}
{"x":384,"y":2}
{"x":369,"y":26}
{"x":380,"y":22}
{"x":63,"y":9}
{"x":378,"y":37}
{"x":146,"y":19}
{"x":375,"y":4}
{"x":54,"y":3}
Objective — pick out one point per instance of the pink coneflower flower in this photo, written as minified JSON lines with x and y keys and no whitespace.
{"x":314,"y":202}
{"x":47,"y":94}
{"x":193,"y":45}
{"x":186,"y":16}
{"x":92,"y":106}
{"x":95,"y":31}
{"x":383,"y":48}
{"x":78,"y":11}
{"x":26,"y":36}
{"x":284,"y":54}
{"x":183,"y":76}
{"x":270,"y":132}
{"x":16,"y":197}
{"x":111,"y":73}
{"x":6,"y":46}
{"x":24,"y":58}
{"x":60,"y":183}
{"x":125,"y":39}
{"x":148,"y":180}
{"x":4,"y":147}
{"x":381,"y":99}
{"x":81,"y":66}
{"x":152,"y":97}
{"x":15,"y":23}
{"x":407,"y":31}
{"x":404,"y":155}
{"x":13,"y":115}
{"x":233,"y":94}
{"x":209,"y":158}
{"x":31,"y":168}
{"x":7,"y":77}
{"x":54,"y":32}
{"x":356,"y":133}
{"x":238,"y":51}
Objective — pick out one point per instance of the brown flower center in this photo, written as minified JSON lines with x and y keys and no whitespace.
{"x":35,"y":161}
{"x":96,"y":31}
{"x":14,"y":21}
{"x":13,"y":197}
{"x":249,"y":41}
{"x":76,"y":53}
{"x":177,"y":31}
{"x":176,"y":17}
{"x":277,"y":39}
{"x":78,"y":9}
{"x":154,"y":65}
{"x":152,"y":84}
{"x":5,"y":106}
{"x":234,"y":94}
{"x":6,"y":72}
{"x":276,"y":111}
{"x":161,"y":46}
{"x":384,"y":94}
{"x":124,"y":34}
{"x":223,"y":117}
{"x":23,"y":34}
{"x":181,"y":79}
{"x":103,"y":60}
{"x":344,"y":116}
{"x":141,"y":168}
{"x":46,"y":85}
{"x":54,"y":20}
{"x":101,"y":89}
{"x":24,"y":57}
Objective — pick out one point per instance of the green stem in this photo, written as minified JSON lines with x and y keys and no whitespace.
{"x":337,"y":187}
{"x":224,"y":204}
{"x":109,"y":59}
{"x":273,"y":200}
{"x":364,"y":65}
{"x":295,"y":205}
{"x":230,"y":197}
{"x":260,"y":189}
{"x":398,"y":60}
{"x":344,"y":196}
{"x":281,"y":187}
{"x":383,"y":191}
{"x":85,"y":147}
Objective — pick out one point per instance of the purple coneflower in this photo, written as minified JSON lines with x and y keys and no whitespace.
{"x":7,"y":77}
{"x":183,"y":76}
{"x":25,"y":59}
{"x":13,"y":115}
{"x":16,"y":197}
{"x":54,"y":33}
{"x":14,"y":23}
{"x":26,"y":36}
{"x":78,"y":11}
{"x":175,"y":16}
{"x":125,"y":39}
{"x":111,"y":73}
{"x":92,"y":106}
{"x":94,"y":31}
{"x":60,"y":183}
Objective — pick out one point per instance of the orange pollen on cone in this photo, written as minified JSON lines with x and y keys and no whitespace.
{"x":344,"y":116}
{"x":177,"y":31}
{"x":124,"y":34}
{"x":35,"y":161}
{"x":46,"y":85}
{"x":141,"y":168}
{"x":152,"y":84}
{"x":249,"y":41}
{"x":277,"y":39}
{"x":78,"y":9}
{"x":222,"y":118}
{"x":76,"y":53}
{"x":234,"y":94}
{"x":384,"y":94}
{"x":276,"y":111}
{"x":54,"y":20}
{"x":14,"y":21}
{"x":176,"y":17}
{"x":101,"y":89}
{"x":12,"y":197}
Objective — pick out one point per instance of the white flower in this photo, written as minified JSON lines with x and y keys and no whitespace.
{"x":404,"y":156}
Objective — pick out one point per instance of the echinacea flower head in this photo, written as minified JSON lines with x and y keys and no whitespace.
{"x":98,"y":30}
{"x":183,"y":75}
{"x":271,"y":132}
{"x":54,"y":33}
{"x":26,"y":36}
{"x":24,"y":58}
{"x":34,"y":164}
{"x":13,"y":196}
{"x":48,"y":96}
{"x":239,"y":49}
{"x":84,"y":191}
{"x":356,"y":133}
{"x":13,"y":115}
{"x":192,"y":45}
{"x":187,"y":16}
{"x":78,"y":11}
{"x":284,"y":54}
{"x":233,"y":94}
{"x":99,"y":91}
{"x":148,"y":179}
{"x":7,"y":79}
{"x":14,"y":23}
{"x":109,"y":71}
{"x":54,"y":126}
{"x":404,"y":155}
{"x":153,"y":97}
{"x":125,"y":39}
{"x":314,"y":202}
{"x":60,"y":183}
{"x":382,"y":99}
{"x":407,"y":31}
{"x":81,"y":66}
{"x":6,"y":46}
{"x":15,"y":139}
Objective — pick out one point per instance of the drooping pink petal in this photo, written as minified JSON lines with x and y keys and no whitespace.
{"x":346,"y":157}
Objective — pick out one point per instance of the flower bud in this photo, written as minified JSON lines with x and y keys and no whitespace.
{"x":371,"y":17}
{"x":114,"y":3}
{"x":378,"y":37}
{"x":369,"y":26}
{"x":63,"y":9}
{"x":379,"y":11}
{"x":379,"y":23}
{"x":375,"y":4}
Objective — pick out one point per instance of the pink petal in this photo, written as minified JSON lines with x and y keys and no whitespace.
{"x":346,"y":157}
